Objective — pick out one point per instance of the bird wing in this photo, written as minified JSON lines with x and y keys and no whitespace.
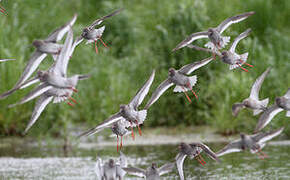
{"x":190,"y":39}
{"x":135,"y":171}
{"x":114,"y":118}
{"x":60,"y":32}
{"x":240,"y":37}
{"x":158,"y":92}
{"x":287,"y":95}
{"x":261,"y":137}
{"x":33,"y":94}
{"x":166,"y":168}
{"x":34,"y":61}
{"x":236,"y":108}
{"x":179,"y":163}
{"x":100,"y":20}
{"x":257,"y":85}
{"x":267,"y":116}
{"x":4,"y":60}
{"x":40,"y":105}
{"x":207,"y":150}
{"x":99,"y":169}
{"x":22,"y":86}
{"x":189,"y":68}
{"x":139,"y":97}
{"x":60,"y":67}
{"x":235,"y":146}
{"x":232,"y":20}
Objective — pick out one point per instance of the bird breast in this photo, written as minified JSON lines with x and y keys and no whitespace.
{"x":61,"y":82}
{"x":179,"y":79}
{"x":130,"y":114}
{"x":91,"y":35}
{"x":284,"y":103}
{"x":230,"y":58}
{"x":215,"y":38}
{"x":50,"y":48}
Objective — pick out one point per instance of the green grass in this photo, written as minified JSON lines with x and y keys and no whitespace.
{"x":140,"y":39}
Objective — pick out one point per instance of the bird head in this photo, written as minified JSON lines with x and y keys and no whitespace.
{"x":111,"y":163}
{"x":243,"y":135}
{"x":42,"y":75}
{"x":171,"y":72}
{"x":85,"y":32}
{"x":154,"y":166}
{"x":210,"y":31}
{"x":37,"y":43}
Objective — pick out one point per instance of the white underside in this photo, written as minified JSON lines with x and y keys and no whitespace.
{"x":192,"y":80}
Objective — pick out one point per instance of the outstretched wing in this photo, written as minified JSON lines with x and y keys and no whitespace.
{"x":139,"y":97}
{"x":240,"y":37}
{"x":135,"y":171}
{"x":207,"y":150}
{"x":236,"y":108}
{"x":114,"y":118}
{"x":179,"y":163}
{"x":99,"y":170}
{"x":60,"y":67}
{"x":166,"y":168}
{"x":158,"y":92}
{"x":257,"y":85}
{"x":33,"y":94}
{"x":189,"y":68}
{"x":100,"y":20}
{"x":235,"y":146}
{"x":232,"y":20}
{"x":267,"y":116}
{"x":40,"y":105}
{"x":261,"y":138}
{"x":60,"y":32}
{"x":190,"y":39}
{"x":4,"y":60}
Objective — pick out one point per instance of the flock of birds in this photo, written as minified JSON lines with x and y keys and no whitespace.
{"x":55,"y":86}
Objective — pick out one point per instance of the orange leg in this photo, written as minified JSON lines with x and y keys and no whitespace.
{"x":103,"y":42}
{"x":96,"y":47}
{"x":73,"y":100}
{"x":263,"y":154}
{"x":194,"y":94}
{"x":70,"y":104}
{"x":186,"y":95}
{"x":242,"y":68}
{"x":197,"y":158}
{"x":201,"y":158}
{"x":121,"y":145}
{"x":242,"y":62}
{"x":3,"y":10}
{"x":117,"y":143}
{"x":133,"y":136}
{"x":139,"y":129}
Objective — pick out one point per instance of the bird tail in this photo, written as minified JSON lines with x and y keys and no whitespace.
{"x":244,"y":57}
{"x":225,"y":41}
{"x":142,"y":116}
{"x":288,"y":114}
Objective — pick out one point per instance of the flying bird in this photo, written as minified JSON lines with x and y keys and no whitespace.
{"x":43,"y":47}
{"x":192,"y":150}
{"x":129,"y":115}
{"x":179,"y":78}
{"x":253,"y":101}
{"x":255,"y":143}
{"x":92,"y":35}
{"x":111,"y":169}
{"x":281,"y":103}
{"x":49,"y":92}
{"x":230,"y":56}
{"x":152,"y":172}
{"x":217,"y":41}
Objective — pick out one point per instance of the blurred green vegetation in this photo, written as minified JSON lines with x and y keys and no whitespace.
{"x":141,"y":39}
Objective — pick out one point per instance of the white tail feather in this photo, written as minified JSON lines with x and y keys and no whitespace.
{"x":142,"y":116}
{"x":288,"y":114}
{"x":225,"y":41}
{"x":210,"y":45}
{"x":244,"y":57}
{"x":265,"y":102}
{"x":257,"y":111}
